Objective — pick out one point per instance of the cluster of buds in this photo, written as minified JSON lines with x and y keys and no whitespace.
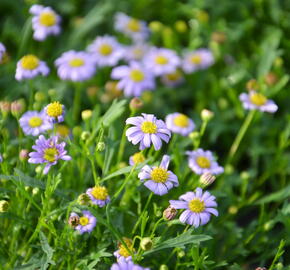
{"x":16,"y":107}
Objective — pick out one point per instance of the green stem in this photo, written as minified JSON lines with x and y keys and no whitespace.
{"x":77,"y":102}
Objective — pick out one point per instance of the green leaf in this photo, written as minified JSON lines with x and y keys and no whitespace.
{"x":117,"y":108}
{"x":276,"y":196}
{"x":46,"y":260}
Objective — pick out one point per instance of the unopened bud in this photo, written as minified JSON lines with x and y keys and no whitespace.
{"x":135,"y":104}
{"x":280,"y":266}
{"x":155,"y":26}
{"x":245,"y":175}
{"x":85,"y":135}
{"x":271,"y":78}
{"x":181,"y":254}
{"x":180,"y":26}
{"x":5,"y":107}
{"x":35,"y":191}
{"x":17,"y":107}
{"x":163,"y":267}
{"x":38,"y":169}
{"x":51,"y":92}
{"x":207,"y":179}
{"x":23,"y":154}
{"x":233,"y":210}
{"x":4,"y":206}
{"x":86,"y":114}
{"x":100,"y":146}
{"x":169,"y":213}
{"x":206,"y":115}
{"x":84,"y":199}
{"x":252,"y":85}
{"x":73,"y":221}
{"x":77,"y":131}
{"x":40,"y":96}
{"x":92,"y":91}
{"x":194,"y":135}
{"x":219,"y":37}
{"x":146,"y":243}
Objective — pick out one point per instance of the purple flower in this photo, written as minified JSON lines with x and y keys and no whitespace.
{"x":257,"y":101}
{"x":161,"y":61}
{"x":136,"y":52}
{"x":137,"y":158}
{"x":179,"y":123}
{"x":55,"y":112}
{"x":99,"y":195}
{"x":87,"y":222}
{"x":75,"y":66}
{"x":123,"y":253}
{"x":199,"y":207}
{"x":173,"y":79}
{"x":34,"y":123}
{"x":134,"y":79}
{"x":122,"y":264}
{"x":1,"y":158}
{"x":201,"y":162}
{"x":29,"y":66}
{"x":147,"y":129}
{"x":158,"y":179}
{"x":48,"y":151}
{"x":45,"y":22}
{"x":2,"y":51}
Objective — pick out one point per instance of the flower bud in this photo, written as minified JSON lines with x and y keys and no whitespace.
{"x":51,"y":92}
{"x":23,"y":154}
{"x":218,"y":37}
{"x":155,"y":26}
{"x":181,"y":253}
{"x":146,"y":243}
{"x":35,"y":191}
{"x":163,"y":267}
{"x":252,"y":85}
{"x":135,"y":104}
{"x":206,"y":115}
{"x":84,"y":199}
{"x":280,"y":266}
{"x":271,"y":78}
{"x":194,"y":135}
{"x":233,"y":210}
{"x":86,"y":114}
{"x":92,"y":91}
{"x":4,"y":206}
{"x":169,"y":213}
{"x":85,"y":135}
{"x":39,"y":96}
{"x":207,"y":179}
{"x":38,"y":169}
{"x":27,"y":188}
{"x":73,"y":221}
{"x":77,"y":131}
{"x":180,"y":26}
{"x":100,"y":146}
{"x":62,"y":130}
{"x":17,"y":107}
{"x":5,"y":107}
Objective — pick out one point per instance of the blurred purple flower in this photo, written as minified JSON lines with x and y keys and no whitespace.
{"x":86,"y":223}
{"x":122,"y":264}
{"x":179,"y":123}
{"x":197,"y":60}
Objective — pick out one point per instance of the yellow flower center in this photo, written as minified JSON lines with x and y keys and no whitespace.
{"x":122,"y":249}
{"x":138,"y":158}
{"x":29,"y":61}
{"x":47,"y":19}
{"x":136,"y":75}
{"x":196,"y":59}
{"x":50,"y":154}
{"x":62,"y":130}
{"x":134,"y":25}
{"x":161,"y":60}
{"x":76,"y":62}
{"x":148,"y":127}
{"x":105,"y":49}
{"x":84,"y":221}
{"x":54,"y":109}
{"x":203,"y":162}
{"x":258,"y":99}
{"x":181,"y":121}
{"x":35,"y":121}
{"x":100,"y":193}
{"x":196,"y":206}
{"x":159,"y":175}
{"x":173,"y":76}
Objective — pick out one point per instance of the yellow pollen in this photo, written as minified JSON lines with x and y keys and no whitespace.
{"x":50,"y":154}
{"x":161,"y":60}
{"x":35,"y":121}
{"x":181,"y":121}
{"x":149,"y":127}
{"x":84,"y":221}
{"x":159,"y":175}
{"x":105,"y":49}
{"x":134,"y":25}
{"x":122,"y":249}
{"x":173,"y":76}
{"x":196,"y":59}
{"x":136,"y":75}
{"x":138,"y":158}
{"x":258,"y":99}
{"x":203,"y":162}
{"x":196,"y":206}
{"x":100,"y":193}
{"x":47,"y":19}
{"x":76,"y":62}
{"x":29,"y":61}
{"x":54,"y":109}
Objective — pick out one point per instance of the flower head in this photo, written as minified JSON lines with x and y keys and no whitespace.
{"x":2,"y":51}
{"x":29,"y":66}
{"x":86,"y":223}
{"x":158,"y":179}
{"x":199,"y":207}
{"x":45,"y":22}
{"x":136,"y":52}
{"x":123,"y":264}
{"x":147,"y":128}
{"x":48,"y":151}
{"x":179,"y":123}
{"x":137,"y":158}
{"x":173,"y":79}
{"x":201,"y":162}
{"x":123,"y":252}
{"x":99,"y":195}
{"x":55,"y":112}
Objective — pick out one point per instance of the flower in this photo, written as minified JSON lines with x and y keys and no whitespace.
{"x":136,"y":52}
{"x":29,"y":66}
{"x":158,"y":179}
{"x":2,"y":51}
{"x":169,"y":213}
{"x":147,"y":128}
{"x":75,"y":66}
{"x":45,"y":22}
{"x":55,"y":112}
{"x":199,"y":207}
{"x":122,"y":264}
{"x":48,"y":151}
{"x":133,"y":79}
{"x":122,"y":252}
{"x":137,"y":158}
{"x":99,"y":195}
{"x":257,"y":101}
{"x":173,"y":79}
{"x":106,"y":51}
{"x":34,"y":123}
{"x":197,"y":60}
{"x":201,"y":162}
{"x":179,"y":123}
{"x":206,"y":179}
{"x":86,"y":223}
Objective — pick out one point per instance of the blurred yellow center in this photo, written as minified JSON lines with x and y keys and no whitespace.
{"x":173,"y":76}
{"x":105,"y":49}
{"x":122,"y":249}
{"x":159,"y":175}
{"x":148,"y":127}
{"x":134,"y":25}
{"x":50,"y":154}
{"x":203,"y":162}
{"x":196,"y":206}
{"x":138,"y":158}
{"x":258,"y":99}
{"x":54,"y":109}
{"x":47,"y":19}
{"x":136,"y":75}
{"x":29,"y":62}
{"x":195,"y":59}
{"x":181,"y":121}
{"x":100,"y":193}
{"x":84,"y":221}
{"x":62,"y":130}
{"x":77,"y":62}
{"x":161,"y":60}
{"x":35,"y":121}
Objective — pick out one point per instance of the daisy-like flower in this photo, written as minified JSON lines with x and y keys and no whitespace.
{"x":99,"y":195}
{"x":55,"y":112}
{"x":122,"y":264}
{"x":133,"y":79}
{"x":257,"y":101}
{"x":197,"y":60}
{"x":29,"y":66}
{"x":86,"y":223}
{"x":147,"y":129}
{"x":75,"y":66}
{"x":161,"y":61}
{"x":48,"y":151}
{"x":158,"y":179}
{"x":173,"y":79}
{"x":2,"y":51}
{"x":136,"y":52}
{"x":136,"y":29}
{"x":199,"y":207}
{"x":179,"y":123}
{"x":201,"y":162}
{"x":45,"y":22}
{"x":122,"y":252}
{"x":34,"y":123}
{"x":137,"y":158}
{"x":106,"y":51}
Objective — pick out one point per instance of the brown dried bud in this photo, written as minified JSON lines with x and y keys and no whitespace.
{"x":135,"y":104}
{"x":271,"y":78}
{"x":23,"y":154}
{"x":252,"y":85}
{"x":5,"y":106}
{"x":169,"y":213}
{"x":92,"y":91}
{"x":219,"y":37}
{"x":73,"y":221}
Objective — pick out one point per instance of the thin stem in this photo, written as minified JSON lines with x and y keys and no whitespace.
{"x":96,"y":179}
{"x":77,"y":102}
